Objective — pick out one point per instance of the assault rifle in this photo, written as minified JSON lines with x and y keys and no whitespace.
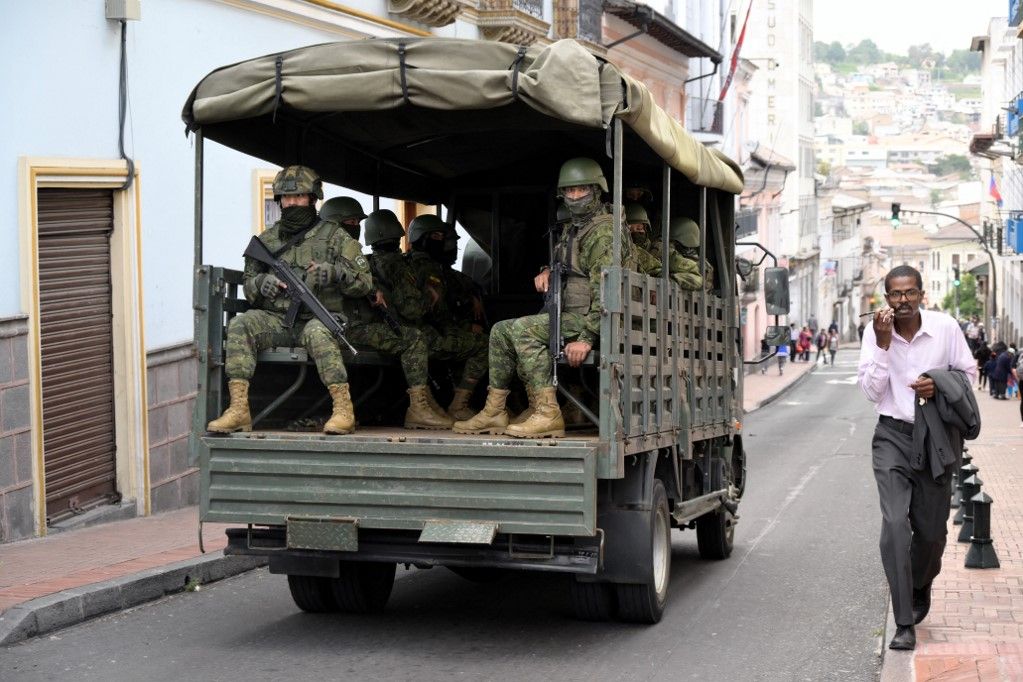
{"x":552,"y":303}
{"x":298,"y":292}
{"x":385,"y":312}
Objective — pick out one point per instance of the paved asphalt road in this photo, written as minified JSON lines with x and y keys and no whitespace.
{"x":801,"y":598}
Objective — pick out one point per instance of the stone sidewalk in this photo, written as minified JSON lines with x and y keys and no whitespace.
{"x":975,"y":627}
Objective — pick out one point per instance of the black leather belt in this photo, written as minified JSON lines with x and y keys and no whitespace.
{"x":897,"y":424}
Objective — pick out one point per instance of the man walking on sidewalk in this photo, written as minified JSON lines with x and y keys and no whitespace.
{"x":913,"y":477}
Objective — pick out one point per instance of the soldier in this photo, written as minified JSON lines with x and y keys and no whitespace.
{"x":685,"y":234}
{"x":684,"y":271}
{"x":638,"y":222}
{"x":344,"y":210}
{"x":453,"y":310}
{"x":335,"y":271}
{"x":370,"y":329}
{"x":521,"y":345}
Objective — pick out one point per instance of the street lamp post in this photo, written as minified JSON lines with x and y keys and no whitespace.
{"x":991,"y":257}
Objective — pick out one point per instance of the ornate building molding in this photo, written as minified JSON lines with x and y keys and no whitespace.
{"x":430,"y":12}
{"x":512,"y":21}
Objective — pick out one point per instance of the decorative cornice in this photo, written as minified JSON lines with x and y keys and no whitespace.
{"x":430,"y":12}
{"x":505,"y":21}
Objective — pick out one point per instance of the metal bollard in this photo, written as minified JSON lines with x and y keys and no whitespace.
{"x":957,"y":491}
{"x":982,"y":550}
{"x":965,"y":472}
{"x":971,"y":488}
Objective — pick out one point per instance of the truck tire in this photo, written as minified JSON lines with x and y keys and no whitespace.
{"x":593,"y":601}
{"x":645,"y":603}
{"x":363,"y":586}
{"x":715,"y":534}
{"x":312,"y":594}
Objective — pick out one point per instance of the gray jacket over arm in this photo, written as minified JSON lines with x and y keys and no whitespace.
{"x":944,"y":422}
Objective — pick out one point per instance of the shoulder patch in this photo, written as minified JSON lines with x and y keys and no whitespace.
{"x":362,"y":262}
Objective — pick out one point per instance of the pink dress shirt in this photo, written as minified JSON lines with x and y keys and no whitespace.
{"x":885,"y":375}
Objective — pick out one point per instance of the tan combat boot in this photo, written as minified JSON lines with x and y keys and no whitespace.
{"x":342,"y":420}
{"x":459,"y":408}
{"x":421,"y":415}
{"x":493,"y":418}
{"x":236,"y":417}
{"x":528,"y":412}
{"x":546,"y":420}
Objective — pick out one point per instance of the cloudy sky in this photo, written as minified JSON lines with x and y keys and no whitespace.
{"x":896,"y":24}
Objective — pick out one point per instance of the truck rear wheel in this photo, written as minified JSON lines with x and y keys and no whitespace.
{"x":645,"y":603}
{"x":312,"y":594}
{"x":593,"y":601}
{"x":363,"y":586}
{"x":715,"y":534}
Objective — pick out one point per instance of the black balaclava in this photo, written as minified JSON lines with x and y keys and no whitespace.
{"x":295,"y":218}
{"x":582,"y":209}
{"x":387,"y":246}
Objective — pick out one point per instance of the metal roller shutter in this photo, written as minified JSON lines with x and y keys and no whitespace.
{"x":77,"y":347}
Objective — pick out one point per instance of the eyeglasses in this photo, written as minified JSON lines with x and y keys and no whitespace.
{"x":900,"y":295}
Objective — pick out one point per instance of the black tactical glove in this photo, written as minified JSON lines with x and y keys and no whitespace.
{"x":269,"y":286}
{"x":320,"y":274}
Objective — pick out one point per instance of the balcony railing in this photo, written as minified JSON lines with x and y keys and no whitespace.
{"x":704,"y":115}
{"x":747,"y":223}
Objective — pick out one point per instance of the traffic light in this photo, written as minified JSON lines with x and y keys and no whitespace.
{"x":896,"y":207}
{"x":955,"y":276}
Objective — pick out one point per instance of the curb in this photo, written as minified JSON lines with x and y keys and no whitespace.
{"x":70,"y":607}
{"x":896,"y":666}
{"x":771,"y":398}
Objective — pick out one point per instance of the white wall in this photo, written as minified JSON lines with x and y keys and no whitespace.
{"x":61,"y":81}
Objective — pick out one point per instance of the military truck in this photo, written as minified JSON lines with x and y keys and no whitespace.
{"x":479,"y":130}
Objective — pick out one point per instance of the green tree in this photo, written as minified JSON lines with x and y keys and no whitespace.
{"x":918,"y":54}
{"x":935,"y":198}
{"x":969,"y":304}
{"x":962,"y":63}
{"x":836,"y":53}
{"x":861,"y":128}
{"x":952,"y":164}
{"x":866,"y":52}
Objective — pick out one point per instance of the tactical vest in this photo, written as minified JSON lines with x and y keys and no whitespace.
{"x":322,"y":243}
{"x":576,"y":295}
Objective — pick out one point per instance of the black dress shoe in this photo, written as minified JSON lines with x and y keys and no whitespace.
{"x":905,"y":638}
{"x":921,"y":603}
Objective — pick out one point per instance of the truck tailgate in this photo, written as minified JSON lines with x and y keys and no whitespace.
{"x":402,"y":480}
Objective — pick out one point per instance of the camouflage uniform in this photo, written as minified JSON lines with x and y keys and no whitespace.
{"x":693,"y":256}
{"x":522,"y":344}
{"x":263,"y":326}
{"x":368,"y":329}
{"x":448,"y":331}
{"x":646,"y":262}
{"x":684,"y":271}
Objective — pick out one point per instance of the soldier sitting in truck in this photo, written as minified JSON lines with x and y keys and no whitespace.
{"x":344,"y":210}
{"x":374,"y":326}
{"x":638,"y":222}
{"x":684,"y":271}
{"x":522,"y":345}
{"x":450,"y":336}
{"x":334,"y":269}
{"x":685,"y":236}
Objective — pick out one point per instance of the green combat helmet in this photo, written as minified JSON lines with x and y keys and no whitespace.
{"x":383,"y":225}
{"x":635,"y":213}
{"x":685,"y":231}
{"x":341,"y":208}
{"x":297,"y":180}
{"x":581,"y":171}
{"x":423,"y":225}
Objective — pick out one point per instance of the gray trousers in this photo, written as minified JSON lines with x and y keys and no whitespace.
{"x":914,"y":518}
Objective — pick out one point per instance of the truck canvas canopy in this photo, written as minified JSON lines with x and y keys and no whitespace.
{"x":408,"y":117}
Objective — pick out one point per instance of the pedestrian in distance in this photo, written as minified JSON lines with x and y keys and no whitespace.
{"x":859,"y":331}
{"x":805,"y":343}
{"x":822,"y":347}
{"x":793,"y":341}
{"x":989,"y":370}
{"x":832,"y":345}
{"x":783,"y":352}
{"x":982,"y":355}
{"x":917,"y":369}
{"x":1002,"y":369}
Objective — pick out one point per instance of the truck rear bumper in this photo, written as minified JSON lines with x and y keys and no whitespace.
{"x":535,"y":553}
